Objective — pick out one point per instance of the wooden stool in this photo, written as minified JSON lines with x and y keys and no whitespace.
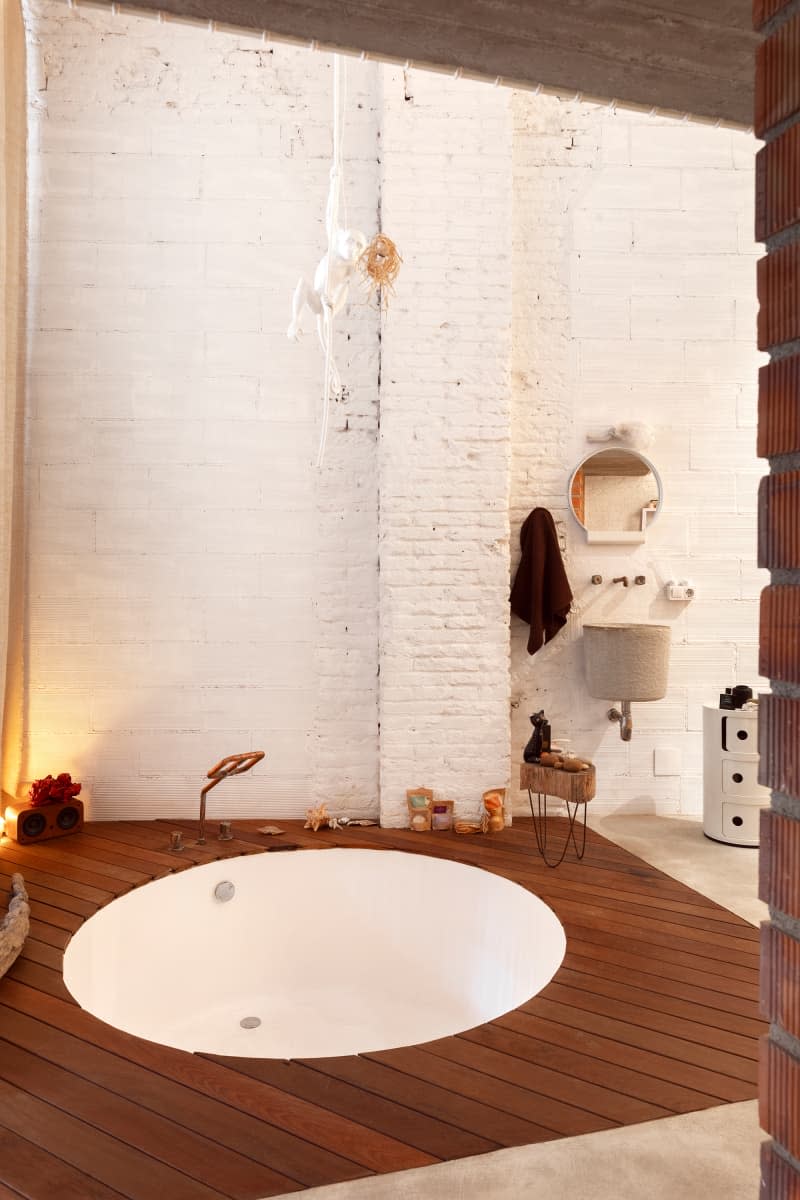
{"x":574,"y":788}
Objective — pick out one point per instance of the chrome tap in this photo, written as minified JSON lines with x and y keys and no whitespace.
{"x":233,"y":764}
{"x":624,"y":716}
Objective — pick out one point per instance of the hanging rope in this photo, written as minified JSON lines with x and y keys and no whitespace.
{"x":332,"y":226}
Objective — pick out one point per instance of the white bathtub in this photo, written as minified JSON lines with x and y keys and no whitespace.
{"x":334,"y":951}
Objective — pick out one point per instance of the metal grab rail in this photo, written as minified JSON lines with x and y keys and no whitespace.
{"x":232,"y":764}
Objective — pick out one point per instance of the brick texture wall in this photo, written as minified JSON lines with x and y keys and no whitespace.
{"x":778,"y":225}
{"x":196,"y":587}
{"x":634,"y":300}
{"x":445,"y":442}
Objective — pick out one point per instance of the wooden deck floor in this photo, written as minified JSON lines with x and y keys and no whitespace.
{"x":654,"y":1012}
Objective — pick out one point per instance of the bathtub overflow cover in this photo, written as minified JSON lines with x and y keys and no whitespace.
{"x":250,"y":1022}
{"x":224,"y":891}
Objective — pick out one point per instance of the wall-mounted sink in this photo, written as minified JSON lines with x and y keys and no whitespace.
{"x":626,"y":662}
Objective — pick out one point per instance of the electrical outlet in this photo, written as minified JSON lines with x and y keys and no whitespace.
{"x":682,"y":590}
{"x":667,"y":761}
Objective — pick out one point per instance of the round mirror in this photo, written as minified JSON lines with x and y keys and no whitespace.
{"x":614,"y":494}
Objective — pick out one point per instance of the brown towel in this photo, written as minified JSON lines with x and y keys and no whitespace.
{"x":541,"y":594}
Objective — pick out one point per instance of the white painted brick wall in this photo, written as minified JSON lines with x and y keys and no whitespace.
{"x":445,"y":442}
{"x":634,"y":299}
{"x":196,"y":588}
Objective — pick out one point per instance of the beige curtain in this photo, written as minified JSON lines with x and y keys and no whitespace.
{"x":12,"y":379}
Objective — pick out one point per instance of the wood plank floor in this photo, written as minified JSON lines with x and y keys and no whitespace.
{"x":653,"y":1012}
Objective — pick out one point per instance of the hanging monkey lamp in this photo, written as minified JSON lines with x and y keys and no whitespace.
{"x":378,"y":262}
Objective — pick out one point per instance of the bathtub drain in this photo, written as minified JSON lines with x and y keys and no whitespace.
{"x":250,"y":1022}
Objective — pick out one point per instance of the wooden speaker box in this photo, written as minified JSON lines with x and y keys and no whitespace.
{"x":26,"y":824}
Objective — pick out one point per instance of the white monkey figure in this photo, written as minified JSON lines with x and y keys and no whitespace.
{"x":330,"y":288}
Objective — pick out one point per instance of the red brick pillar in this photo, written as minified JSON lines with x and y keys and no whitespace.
{"x":777,"y":120}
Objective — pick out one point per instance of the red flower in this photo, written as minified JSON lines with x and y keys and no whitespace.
{"x":62,"y":789}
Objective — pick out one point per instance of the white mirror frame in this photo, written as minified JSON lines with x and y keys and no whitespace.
{"x":618,"y":537}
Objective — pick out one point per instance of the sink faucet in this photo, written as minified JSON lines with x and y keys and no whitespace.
{"x":233,"y":764}
{"x":623,"y":579}
{"x":624,"y":716}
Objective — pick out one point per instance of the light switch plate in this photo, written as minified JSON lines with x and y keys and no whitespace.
{"x":667,"y":761}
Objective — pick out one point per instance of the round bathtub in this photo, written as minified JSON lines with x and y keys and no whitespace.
{"x":318,"y":952}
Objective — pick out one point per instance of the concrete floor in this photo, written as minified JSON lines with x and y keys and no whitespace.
{"x":713,"y":1154}
{"x":676,"y":845}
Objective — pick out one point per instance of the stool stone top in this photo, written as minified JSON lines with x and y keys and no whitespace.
{"x":576,"y":786}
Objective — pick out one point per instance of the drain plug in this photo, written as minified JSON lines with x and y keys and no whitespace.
{"x":250,"y":1022}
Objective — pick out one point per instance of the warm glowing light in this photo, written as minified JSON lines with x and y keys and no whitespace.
{"x":6,"y":818}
